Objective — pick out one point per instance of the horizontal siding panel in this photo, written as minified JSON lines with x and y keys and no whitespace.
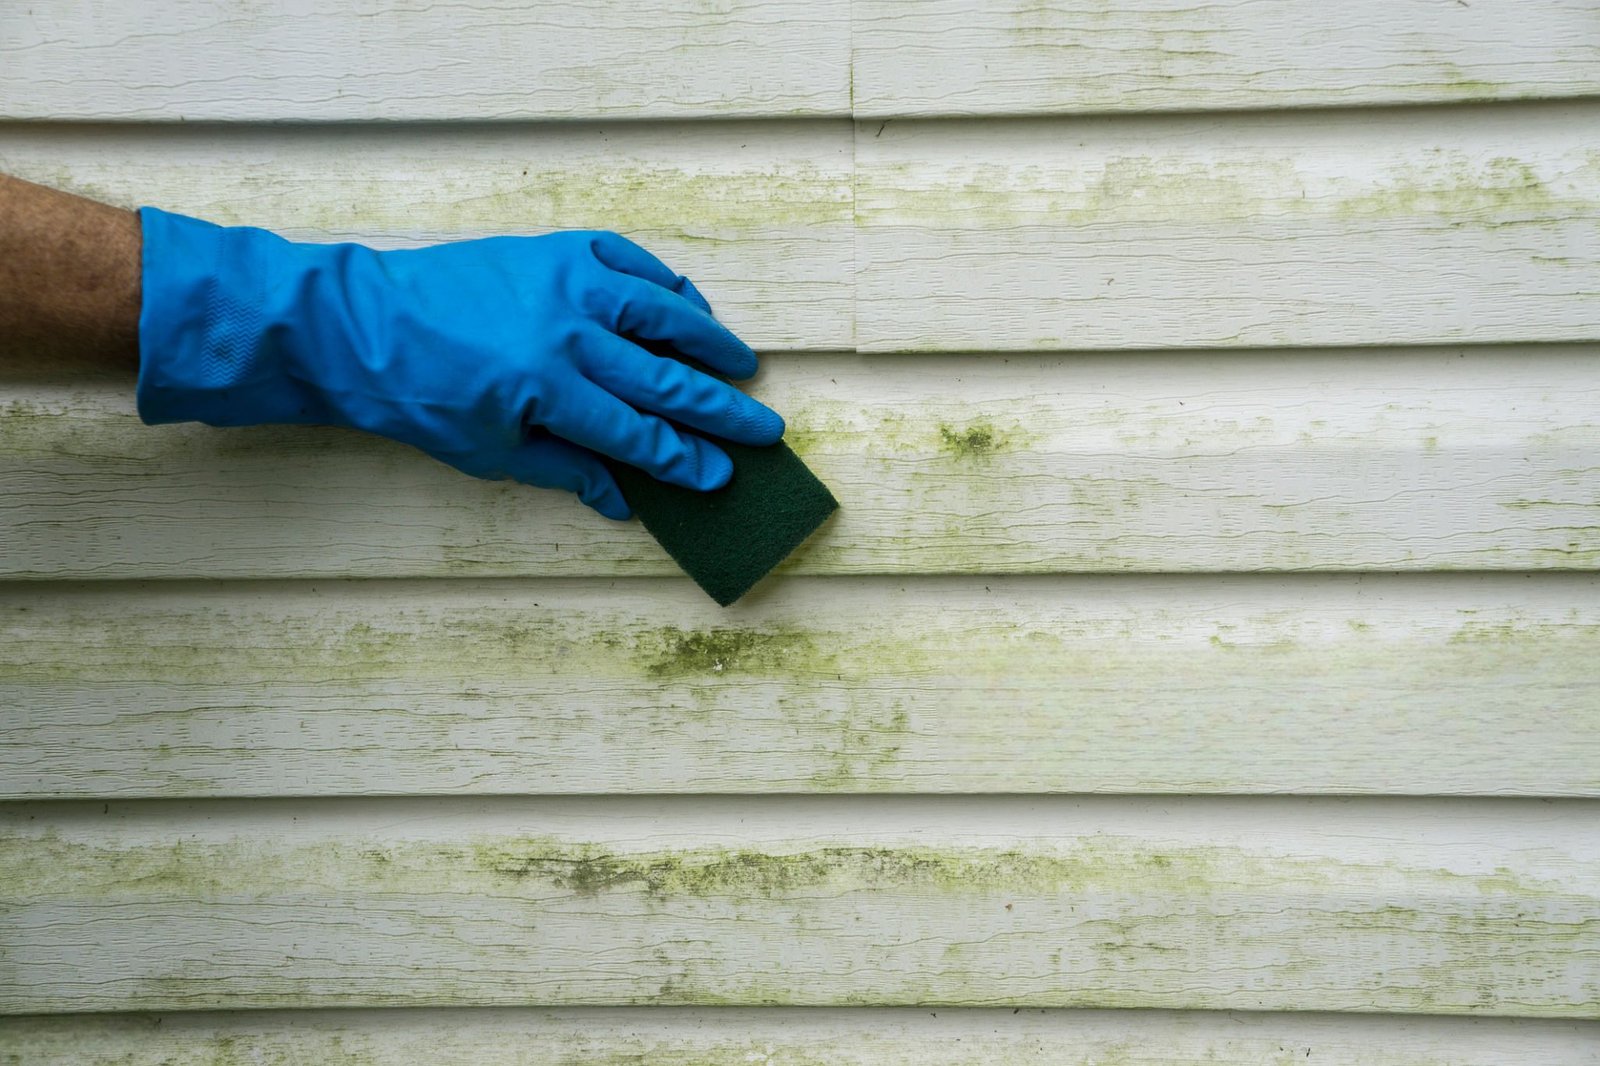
{"x":1379,"y":684}
{"x":759,"y":215}
{"x":733,"y":1036}
{"x":1360,"y":228}
{"x":1490,"y":907}
{"x":1389,"y":460}
{"x":1403,"y":227}
{"x":299,"y":59}
{"x":960,"y":57}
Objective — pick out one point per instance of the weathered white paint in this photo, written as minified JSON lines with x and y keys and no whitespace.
{"x":1199,"y":231}
{"x":1477,"y":225}
{"x":467,"y":60}
{"x":1384,"y":684}
{"x":295,"y":59}
{"x":1434,"y":907}
{"x":738,"y":1036}
{"x":1424,"y":459}
{"x":759,"y":215}
{"x":984,"y":57}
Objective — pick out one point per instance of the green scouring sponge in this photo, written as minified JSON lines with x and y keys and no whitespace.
{"x":729,"y":539}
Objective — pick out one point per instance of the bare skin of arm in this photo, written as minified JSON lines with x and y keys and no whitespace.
{"x":69,"y":280}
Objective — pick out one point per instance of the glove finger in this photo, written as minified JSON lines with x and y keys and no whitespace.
{"x":559,"y":465}
{"x":588,"y":415}
{"x":550,"y":464}
{"x":625,"y":257}
{"x":643,"y":309}
{"x":679,"y":392}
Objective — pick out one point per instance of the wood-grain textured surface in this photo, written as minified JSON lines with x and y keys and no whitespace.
{"x":759,"y":214}
{"x":960,"y":57}
{"x":1200,"y":231}
{"x":463,"y":60}
{"x":1426,"y":906}
{"x":1477,"y":225}
{"x":1428,"y":459}
{"x":737,"y":1036}
{"x":1419,"y":685}
{"x":298,"y":60}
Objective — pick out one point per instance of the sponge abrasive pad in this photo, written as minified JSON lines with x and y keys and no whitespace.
{"x":729,"y":539}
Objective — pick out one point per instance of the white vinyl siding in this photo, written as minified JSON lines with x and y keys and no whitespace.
{"x":1209,"y":632}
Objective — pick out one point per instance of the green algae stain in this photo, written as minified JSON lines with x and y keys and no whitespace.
{"x":1501,"y":186}
{"x":977,"y":441}
{"x":584,"y":870}
{"x":49,"y":866}
{"x":588,"y":870}
{"x":1529,"y":505}
{"x":805,"y":896}
{"x":74,"y":427}
{"x":818,"y":429}
{"x":669,"y":653}
{"x":1147,"y":191}
{"x":1521,"y":636}
{"x":499,"y":195}
{"x":887,"y":434}
{"x":864,"y":754}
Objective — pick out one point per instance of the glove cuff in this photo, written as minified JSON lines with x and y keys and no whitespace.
{"x":207,"y":349}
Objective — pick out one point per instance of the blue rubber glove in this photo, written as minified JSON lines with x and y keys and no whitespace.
{"x":507,"y":357}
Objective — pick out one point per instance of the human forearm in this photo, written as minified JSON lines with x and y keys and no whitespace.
{"x":69,"y":278}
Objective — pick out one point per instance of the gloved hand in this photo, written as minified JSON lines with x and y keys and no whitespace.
{"x":506,"y":357}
